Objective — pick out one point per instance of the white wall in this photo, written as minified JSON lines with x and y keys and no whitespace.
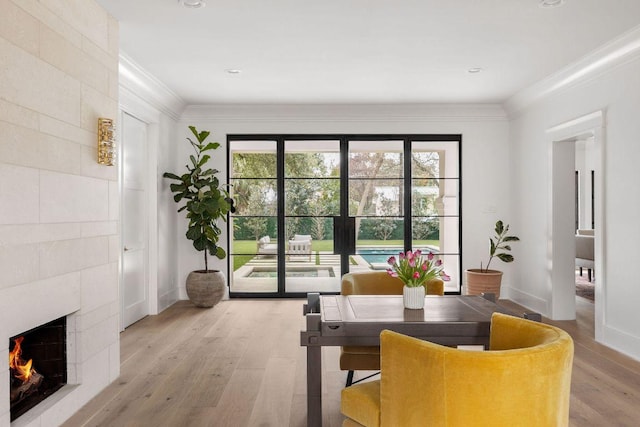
{"x":485,"y":154}
{"x":168,"y":288}
{"x":59,"y":209}
{"x":617,"y":93}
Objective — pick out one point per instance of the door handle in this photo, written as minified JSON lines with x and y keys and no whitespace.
{"x":126,"y":249}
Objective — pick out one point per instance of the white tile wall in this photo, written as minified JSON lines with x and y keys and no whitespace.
{"x":73,"y":198}
{"x":18,"y":115}
{"x":19,"y":145}
{"x":18,"y":264}
{"x":18,"y":26}
{"x":90,"y":166}
{"x":52,"y":298}
{"x":72,"y":60}
{"x":50,"y":126}
{"x":59,"y":209}
{"x":96,"y":104}
{"x":65,"y":256}
{"x":95,"y":286}
{"x":4,"y":389}
{"x":35,"y":233}
{"x":49,"y":90}
{"x":58,"y":154}
{"x":50,"y":19}
{"x":103,"y":228}
{"x":19,"y":195}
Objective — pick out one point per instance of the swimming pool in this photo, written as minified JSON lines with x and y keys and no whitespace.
{"x":377,"y":255}
{"x":381,"y":255}
{"x":272,"y":272}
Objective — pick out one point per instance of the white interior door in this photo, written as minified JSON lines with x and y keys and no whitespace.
{"x":134,"y":291}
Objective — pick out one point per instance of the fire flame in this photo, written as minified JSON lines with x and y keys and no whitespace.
{"x":23,"y":371}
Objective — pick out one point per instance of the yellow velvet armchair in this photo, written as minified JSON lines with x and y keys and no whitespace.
{"x":523,"y":380}
{"x":367,"y":358}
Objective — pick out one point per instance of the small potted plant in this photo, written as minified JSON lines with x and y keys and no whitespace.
{"x":483,"y":280}
{"x":417,"y":273}
{"x":206,"y":203}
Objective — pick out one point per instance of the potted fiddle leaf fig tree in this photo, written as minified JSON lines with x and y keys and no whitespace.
{"x":483,"y":280}
{"x":207,"y":203}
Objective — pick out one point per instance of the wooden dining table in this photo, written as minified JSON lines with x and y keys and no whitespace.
{"x":337,"y":320}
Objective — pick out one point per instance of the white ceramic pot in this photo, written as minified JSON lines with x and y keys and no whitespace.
{"x":413,"y":297}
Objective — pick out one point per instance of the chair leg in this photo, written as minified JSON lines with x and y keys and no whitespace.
{"x":349,"y":378}
{"x":580,"y":271}
{"x":589,"y":274}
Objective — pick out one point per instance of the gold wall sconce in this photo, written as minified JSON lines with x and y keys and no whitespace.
{"x":106,"y":142}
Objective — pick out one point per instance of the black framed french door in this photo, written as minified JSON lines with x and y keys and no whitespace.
{"x":314,"y":207}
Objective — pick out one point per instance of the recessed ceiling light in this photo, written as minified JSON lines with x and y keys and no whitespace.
{"x":233,"y":71}
{"x":192,"y":4}
{"x":551,"y":3}
{"x":474,"y":70}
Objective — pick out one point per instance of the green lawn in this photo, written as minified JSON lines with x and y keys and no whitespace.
{"x":245,"y":247}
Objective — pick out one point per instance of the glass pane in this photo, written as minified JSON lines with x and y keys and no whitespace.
{"x":385,"y":231}
{"x":425,"y":164}
{"x":314,"y":197}
{"x":306,"y":277}
{"x":425,"y":197}
{"x":306,"y":159}
{"x":311,"y":265}
{"x":254,"y":196}
{"x":437,"y":234}
{"x":380,"y":197}
{"x":319,"y":230}
{"x":253,"y":159}
{"x":252,"y":276}
{"x":247,"y":231}
{"x":435,"y":159}
{"x":376,"y":159}
{"x":254,"y":247}
{"x":373,"y":257}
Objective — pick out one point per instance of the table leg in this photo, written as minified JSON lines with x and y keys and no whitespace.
{"x":314,"y":386}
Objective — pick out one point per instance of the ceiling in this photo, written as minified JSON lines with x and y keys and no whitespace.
{"x":362,"y":51}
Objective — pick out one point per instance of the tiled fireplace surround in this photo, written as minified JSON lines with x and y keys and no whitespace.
{"x":59,"y":209}
{"x":92,"y":349}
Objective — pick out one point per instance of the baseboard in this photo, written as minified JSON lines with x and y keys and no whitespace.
{"x":622,"y":341}
{"x":530,"y":302}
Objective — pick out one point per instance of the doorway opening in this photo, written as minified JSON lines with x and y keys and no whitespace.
{"x":562,"y":214}
{"x":584,"y":217}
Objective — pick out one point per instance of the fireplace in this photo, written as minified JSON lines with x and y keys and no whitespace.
{"x":37,"y":365}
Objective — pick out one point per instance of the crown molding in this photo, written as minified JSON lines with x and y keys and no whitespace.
{"x":392,"y":113}
{"x":618,"y":51}
{"x":148,"y":88}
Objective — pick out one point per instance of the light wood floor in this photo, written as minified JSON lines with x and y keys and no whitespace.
{"x":241,"y":364}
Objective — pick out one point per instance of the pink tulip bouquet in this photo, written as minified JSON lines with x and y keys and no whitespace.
{"x":414,"y":269}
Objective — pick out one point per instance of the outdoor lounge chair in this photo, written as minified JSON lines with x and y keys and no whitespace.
{"x":300,"y":245}
{"x":265,"y":247}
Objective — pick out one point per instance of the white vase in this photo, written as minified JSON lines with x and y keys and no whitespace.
{"x":413,"y":297}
